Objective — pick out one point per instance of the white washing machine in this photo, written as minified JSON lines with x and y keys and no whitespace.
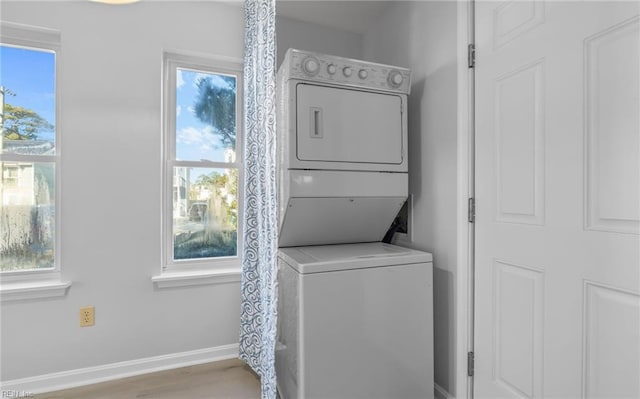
{"x":355,"y":321}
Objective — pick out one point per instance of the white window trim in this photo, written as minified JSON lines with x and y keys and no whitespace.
{"x":218,"y":276}
{"x":37,"y":284}
{"x":205,"y":271}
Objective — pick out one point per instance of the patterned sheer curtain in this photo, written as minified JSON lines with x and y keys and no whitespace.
{"x":259,"y":268}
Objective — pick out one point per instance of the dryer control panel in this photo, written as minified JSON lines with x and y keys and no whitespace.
{"x":311,"y":66}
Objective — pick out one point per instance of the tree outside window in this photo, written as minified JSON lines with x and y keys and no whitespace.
{"x":205,"y":171}
{"x":27,"y":159}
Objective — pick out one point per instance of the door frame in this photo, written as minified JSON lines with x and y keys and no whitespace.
{"x":466,"y":190}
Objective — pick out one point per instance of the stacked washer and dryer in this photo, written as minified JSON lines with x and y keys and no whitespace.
{"x":355,"y":314}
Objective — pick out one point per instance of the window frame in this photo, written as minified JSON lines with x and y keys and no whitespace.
{"x":38,"y":283}
{"x":225,"y":267}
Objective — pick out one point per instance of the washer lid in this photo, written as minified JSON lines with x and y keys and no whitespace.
{"x":327,"y":258}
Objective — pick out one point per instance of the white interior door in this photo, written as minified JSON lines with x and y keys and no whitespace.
{"x":557,"y":300}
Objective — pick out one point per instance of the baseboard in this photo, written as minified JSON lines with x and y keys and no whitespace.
{"x":113,"y":371}
{"x":441,"y":393}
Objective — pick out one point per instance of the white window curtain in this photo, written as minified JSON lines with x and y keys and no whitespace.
{"x":259,"y":267}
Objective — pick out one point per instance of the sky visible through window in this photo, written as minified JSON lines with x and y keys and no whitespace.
{"x":28,"y":74}
{"x":204,"y":196}
{"x":195,"y":140}
{"x":28,"y":187}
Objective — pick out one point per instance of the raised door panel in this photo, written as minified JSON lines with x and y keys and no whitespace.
{"x":519,"y":127}
{"x":611,"y":342}
{"x":518,"y":329}
{"x":612,"y":129}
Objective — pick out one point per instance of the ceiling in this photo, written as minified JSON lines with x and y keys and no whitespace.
{"x":351,"y":16}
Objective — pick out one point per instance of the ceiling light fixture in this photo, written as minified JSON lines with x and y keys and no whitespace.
{"x":115,"y":1}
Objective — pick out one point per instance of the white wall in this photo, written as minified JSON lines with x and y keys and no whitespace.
{"x":111,"y":137}
{"x":291,"y":33}
{"x":110,"y":85}
{"x":423,"y":36}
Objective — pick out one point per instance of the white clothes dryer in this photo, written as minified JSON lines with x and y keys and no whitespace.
{"x":342,"y":147}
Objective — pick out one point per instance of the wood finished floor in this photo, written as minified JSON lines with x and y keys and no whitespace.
{"x":224,"y":379}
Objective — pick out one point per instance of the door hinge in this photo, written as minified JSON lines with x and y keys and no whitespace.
{"x":471,"y":210}
{"x":470,"y":361}
{"x":471,"y":55}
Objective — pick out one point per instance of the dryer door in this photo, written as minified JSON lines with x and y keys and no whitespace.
{"x":342,"y":126}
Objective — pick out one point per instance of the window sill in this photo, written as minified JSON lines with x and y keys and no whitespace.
{"x":22,"y":291}
{"x":183,"y":279}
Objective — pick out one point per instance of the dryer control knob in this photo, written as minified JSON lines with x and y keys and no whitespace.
{"x":362,"y":74}
{"x":347,"y":71}
{"x":332,"y":69}
{"x":311,"y":65}
{"x":395,"y":78}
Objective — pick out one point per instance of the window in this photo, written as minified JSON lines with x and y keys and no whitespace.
{"x":29,"y":152}
{"x":202,"y":170}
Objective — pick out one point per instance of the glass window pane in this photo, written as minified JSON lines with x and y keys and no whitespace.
{"x":205,"y":116}
{"x":27,"y":216}
{"x":27,"y":96}
{"x":205,"y":212}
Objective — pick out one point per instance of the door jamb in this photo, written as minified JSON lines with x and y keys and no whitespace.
{"x":466,"y":190}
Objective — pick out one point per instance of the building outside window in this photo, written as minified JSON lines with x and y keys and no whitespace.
{"x":29,"y":152}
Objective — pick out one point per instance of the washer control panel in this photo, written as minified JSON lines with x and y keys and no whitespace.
{"x":311,"y":66}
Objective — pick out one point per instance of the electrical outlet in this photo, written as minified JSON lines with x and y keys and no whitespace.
{"x":87,"y":316}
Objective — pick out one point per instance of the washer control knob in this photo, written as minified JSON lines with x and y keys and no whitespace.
{"x":347,"y":71}
{"x":311,"y":65}
{"x":362,"y":74}
{"x":395,"y":78}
